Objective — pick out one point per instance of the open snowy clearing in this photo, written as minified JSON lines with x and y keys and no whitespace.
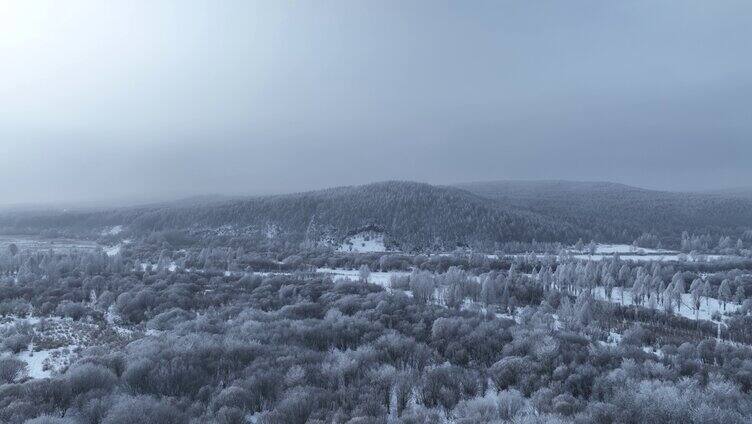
{"x":610,"y":249}
{"x":628,"y":248}
{"x":113,"y":231}
{"x":379,"y":278}
{"x":367,"y":242}
{"x":59,"y":339}
{"x":41,"y":364}
{"x":43,"y":244}
{"x":626,"y":253}
{"x":112,"y":251}
{"x":673,"y":257}
{"x":680,"y":257}
{"x":708,"y":305}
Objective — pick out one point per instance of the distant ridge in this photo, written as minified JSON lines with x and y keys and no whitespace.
{"x":420,"y":216}
{"x":618,"y":212}
{"x":414,"y":216}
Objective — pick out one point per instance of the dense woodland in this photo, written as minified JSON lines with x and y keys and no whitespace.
{"x":414,"y":216}
{"x":616,"y":212}
{"x":487,"y":307}
{"x":196,"y":335}
{"x":421,"y":217}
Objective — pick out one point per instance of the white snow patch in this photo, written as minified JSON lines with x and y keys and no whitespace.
{"x":610,"y":249}
{"x":364,"y":242}
{"x":515,"y":318}
{"x":113,"y":250}
{"x":708,"y":305}
{"x":380,"y":278}
{"x":113,"y":231}
{"x":613,"y":339}
{"x":35,"y":363}
{"x":655,"y":351}
{"x":42,"y":363}
{"x":680,"y":257}
{"x":626,"y":252}
{"x":12,"y":320}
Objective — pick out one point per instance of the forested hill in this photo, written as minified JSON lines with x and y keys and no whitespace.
{"x":616,"y":212}
{"x":416,"y":216}
{"x":412,"y":215}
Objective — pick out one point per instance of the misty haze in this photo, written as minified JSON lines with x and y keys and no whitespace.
{"x":393,"y":212}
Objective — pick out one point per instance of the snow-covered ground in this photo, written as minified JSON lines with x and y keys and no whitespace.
{"x":638,"y":254}
{"x":43,"y":244}
{"x":606,"y":249}
{"x":365,"y":242}
{"x":113,"y":231}
{"x":41,"y":364}
{"x":380,"y":278}
{"x":708,"y":306}
{"x":632,"y":257}
{"x":114,"y":321}
{"x":610,"y":249}
{"x":678,"y":257}
{"x":626,"y":252}
{"x":10,"y":321}
{"x":60,"y":339}
{"x":112,"y":250}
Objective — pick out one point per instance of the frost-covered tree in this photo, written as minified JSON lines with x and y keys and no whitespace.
{"x":668,"y":298}
{"x":739,"y":296}
{"x":696,"y":290}
{"x":579,"y":245}
{"x":707,"y":291}
{"x":489,"y":293}
{"x":422,"y":285}
{"x":677,"y":283}
{"x":623,"y":274}
{"x":364,"y":273}
{"x":724,"y":292}
{"x":608,"y":286}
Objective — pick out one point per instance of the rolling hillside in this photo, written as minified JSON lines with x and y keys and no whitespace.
{"x":412,"y":215}
{"x":416,"y":216}
{"x":616,"y":212}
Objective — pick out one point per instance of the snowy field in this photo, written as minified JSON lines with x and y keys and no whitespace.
{"x":379,"y":278}
{"x":626,"y":252}
{"x":38,"y":244}
{"x":708,"y":305}
{"x":629,"y":252}
{"x":43,"y":244}
{"x":62,"y":336}
{"x":610,"y":249}
{"x":112,"y":251}
{"x":366,"y":242}
{"x":112,"y":231}
{"x":43,"y":363}
{"x":680,"y":257}
{"x":626,"y":257}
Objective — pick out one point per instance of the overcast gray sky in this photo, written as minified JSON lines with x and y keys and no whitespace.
{"x":141,"y":99}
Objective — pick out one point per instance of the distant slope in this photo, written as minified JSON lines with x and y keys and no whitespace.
{"x":740,"y":192}
{"x":412,"y":215}
{"x":616,"y":212}
{"x":416,"y":216}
